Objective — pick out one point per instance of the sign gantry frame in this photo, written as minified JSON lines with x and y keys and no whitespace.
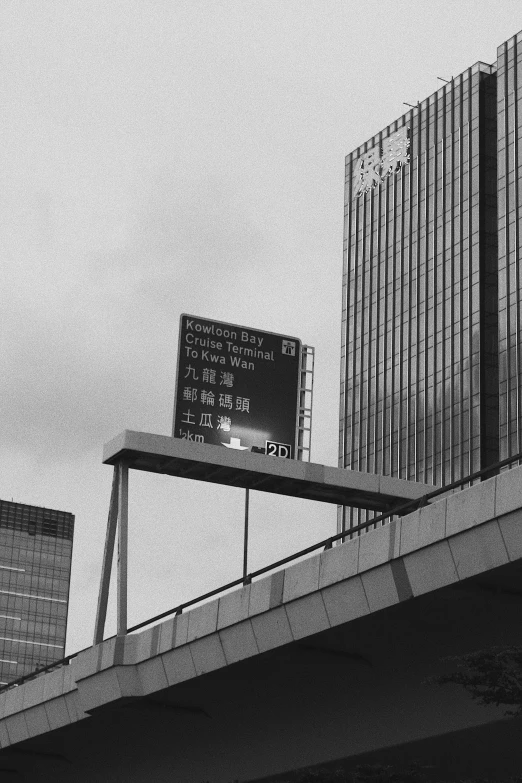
{"x":205,"y":462}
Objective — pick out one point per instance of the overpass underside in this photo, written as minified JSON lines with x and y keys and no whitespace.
{"x":325,"y":662}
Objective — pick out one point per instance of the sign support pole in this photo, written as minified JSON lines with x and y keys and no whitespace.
{"x":123,"y":519}
{"x":103,"y":595}
{"x":245,"y":539}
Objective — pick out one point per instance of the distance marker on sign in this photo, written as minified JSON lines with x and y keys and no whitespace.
{"x":274,"y":449}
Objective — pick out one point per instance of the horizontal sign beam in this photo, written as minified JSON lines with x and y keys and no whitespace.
{"x":206,"y":462}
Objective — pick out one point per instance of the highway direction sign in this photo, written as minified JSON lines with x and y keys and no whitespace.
{"x":236,"y":387}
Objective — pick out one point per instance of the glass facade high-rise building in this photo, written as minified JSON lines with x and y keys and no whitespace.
{"x":420,"y":322}
{"x":35,"y":569}
{"x":509,"y":114}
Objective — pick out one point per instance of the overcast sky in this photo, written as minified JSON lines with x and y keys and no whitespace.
{"x":169,"y":156}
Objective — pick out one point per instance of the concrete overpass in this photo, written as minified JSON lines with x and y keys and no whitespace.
{"x":323,"y":661}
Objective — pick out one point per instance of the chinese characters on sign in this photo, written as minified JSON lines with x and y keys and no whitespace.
{"x":236,"y":387}
{"x":376,"y":164}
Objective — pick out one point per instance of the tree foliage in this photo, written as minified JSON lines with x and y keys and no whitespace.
{"x":491,"y":676}
{"x":367,"y":773}
{"x":378,"y":773}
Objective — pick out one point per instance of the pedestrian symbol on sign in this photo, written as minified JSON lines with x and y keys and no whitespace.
{"x":288,"y":347}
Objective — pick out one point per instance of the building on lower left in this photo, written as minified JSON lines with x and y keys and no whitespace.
{"x":35,"y":570}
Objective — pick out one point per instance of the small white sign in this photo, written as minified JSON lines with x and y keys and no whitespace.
{"x":274,"y":449}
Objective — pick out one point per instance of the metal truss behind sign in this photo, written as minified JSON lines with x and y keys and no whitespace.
{"x":304,"y":429}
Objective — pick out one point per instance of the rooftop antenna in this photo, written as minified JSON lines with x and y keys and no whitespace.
{"x":444,"y":80}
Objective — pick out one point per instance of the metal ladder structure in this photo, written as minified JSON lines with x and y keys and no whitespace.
{"x":306,"y":386}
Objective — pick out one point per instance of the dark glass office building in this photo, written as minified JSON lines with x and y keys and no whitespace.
{"x":35,"y":569}
{"x":509,"y":88}
{"x":420,"y":329}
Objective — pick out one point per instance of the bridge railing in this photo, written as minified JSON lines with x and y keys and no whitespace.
{"x":324,"y":544}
